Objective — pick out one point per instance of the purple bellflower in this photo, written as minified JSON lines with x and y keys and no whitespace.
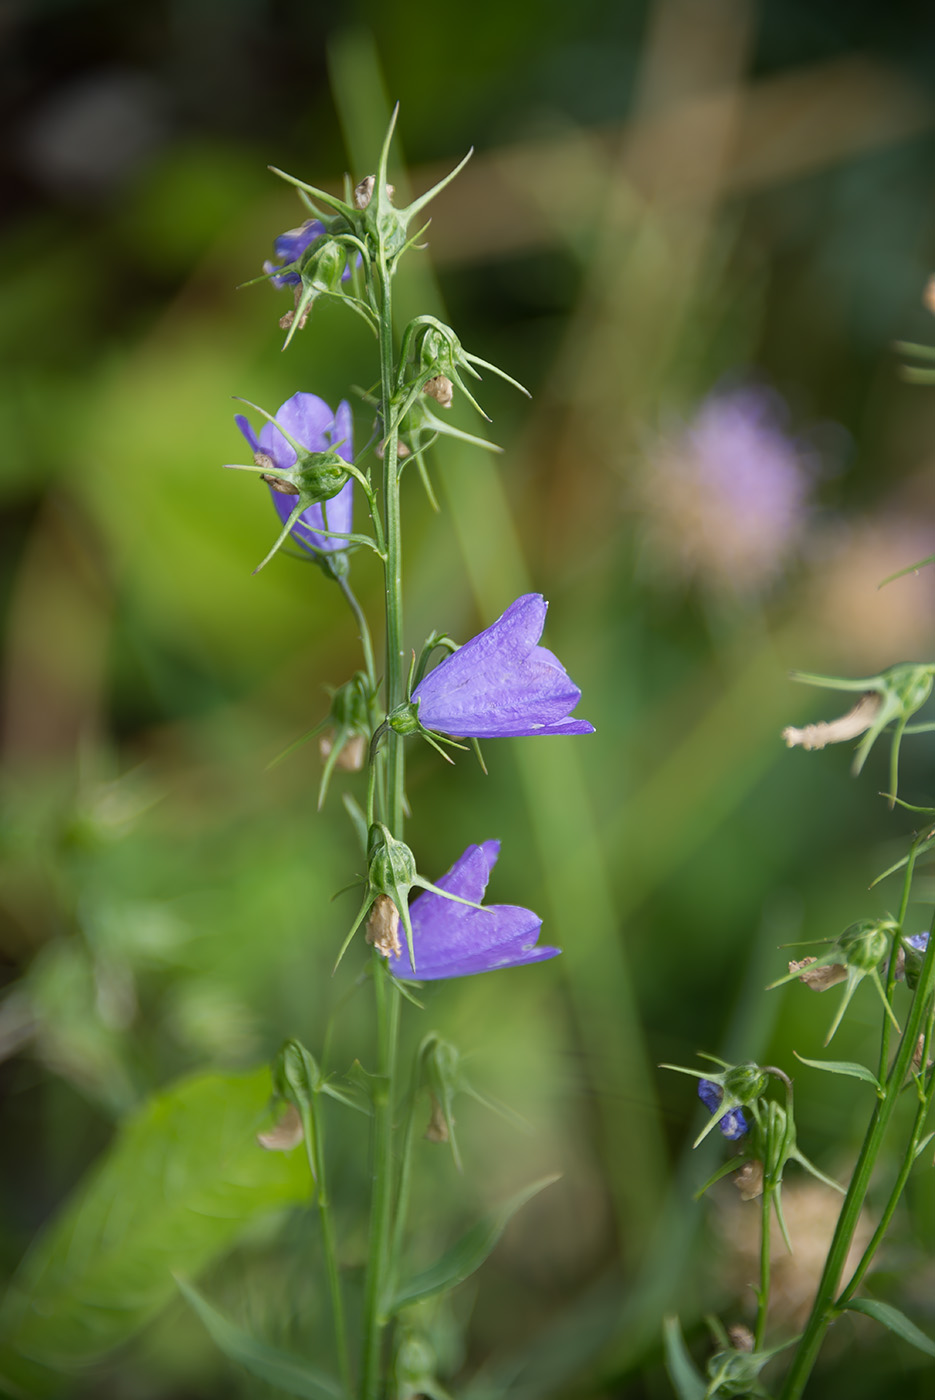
{"x":310,"y":421}
{"x":289,"y":247}
{"x":732,"y":1124}
{"x":456,"y":940}
{"x":501,"y":683}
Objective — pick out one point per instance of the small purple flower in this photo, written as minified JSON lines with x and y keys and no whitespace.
{"x":501,"y":683}
{"x":732,"y":1124}
{"x":454,"y":940}
{"x":919,"y":941}
{"x":727,"y":494}
{"x":311,"y":422}
{"x":289,"y":247}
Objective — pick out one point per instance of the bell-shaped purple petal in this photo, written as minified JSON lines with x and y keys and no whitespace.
{"x":454,"y":940}
{"x":733,"y":1124}
{"x":501,"y":683}
{"x":310,"y":421}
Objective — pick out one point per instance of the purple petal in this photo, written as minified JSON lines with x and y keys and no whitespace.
{"x":289,"y":247}
{"x":247,"y":430}
{"x":501,"y":684}
{"x":455,"y":940}
{"x":307,"y":418}
{"x":310,"y":421}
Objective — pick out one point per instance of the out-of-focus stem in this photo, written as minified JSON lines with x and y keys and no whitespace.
{"x":314,"y":1149}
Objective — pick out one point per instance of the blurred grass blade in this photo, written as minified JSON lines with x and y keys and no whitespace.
{"x":182,"y":1178}
{"x":290,"y":1374}
{"x":685,"y":1379}
{"x":459,"y":1262}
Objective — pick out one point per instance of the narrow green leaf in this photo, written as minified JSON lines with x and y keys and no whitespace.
{"x":290,"y":1374}
{"x":686,"y":1379}
{"x":847,"y":1067}
{"x":459,"y":1262}
{"x":893,"y":1319}
{"x":923,"y":1145}
{"x":182,"y":1178}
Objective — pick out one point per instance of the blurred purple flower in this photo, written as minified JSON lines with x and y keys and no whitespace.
{"x":311,"y":422}
{"x":289,"y":247}
{"x":727,"y":496}
{"x":733,"y":1123}
{"x":501,"y":684}
{"x":454,"y":940}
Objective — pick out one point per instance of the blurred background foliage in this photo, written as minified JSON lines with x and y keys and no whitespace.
{"x":669,"y":199}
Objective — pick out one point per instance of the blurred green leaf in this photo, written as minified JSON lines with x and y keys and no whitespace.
{"x":290,"y":1374}
{"x":459,"y":1262}
{"x":893,"y":1319}
{"x":685,"y":1378}
{"x":179,"y":1183}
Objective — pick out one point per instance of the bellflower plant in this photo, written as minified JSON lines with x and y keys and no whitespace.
{"x":500,"y":684}
{"x":455,"y":940}
{"x":881,"y":949}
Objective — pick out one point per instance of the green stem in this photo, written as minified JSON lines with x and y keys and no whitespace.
{"x":387,"y":1003}
{"x":762,"y":1308}
{"x":918,"y":1127}
{"x":825,"y":1308}
{"x":891,"y":969}
{"x":314,"y":1149}
{"x":395,"y":656}
{"x":363,"y":627}
{"x":385,"y":989}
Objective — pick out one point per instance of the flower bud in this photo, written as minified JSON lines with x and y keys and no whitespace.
{"x":404,"y":719}
{"x":392,"y":864}
{"x":324,"y":266}
{"x":744,"y":1082}
{"x":383,"y":927}
{"x":441,"y":390}
{"x":864,"y":944}
{"x":296,"y":1075}
{"x":913,"y":951}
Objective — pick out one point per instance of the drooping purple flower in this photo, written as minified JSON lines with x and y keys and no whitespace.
{"x":733,"y":1123}
{"x":289,"y":247}
{"x":501,"y":683}
{"x":455,"y":940}
{"x":727,"y":494}
{"x":311,"y":422}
